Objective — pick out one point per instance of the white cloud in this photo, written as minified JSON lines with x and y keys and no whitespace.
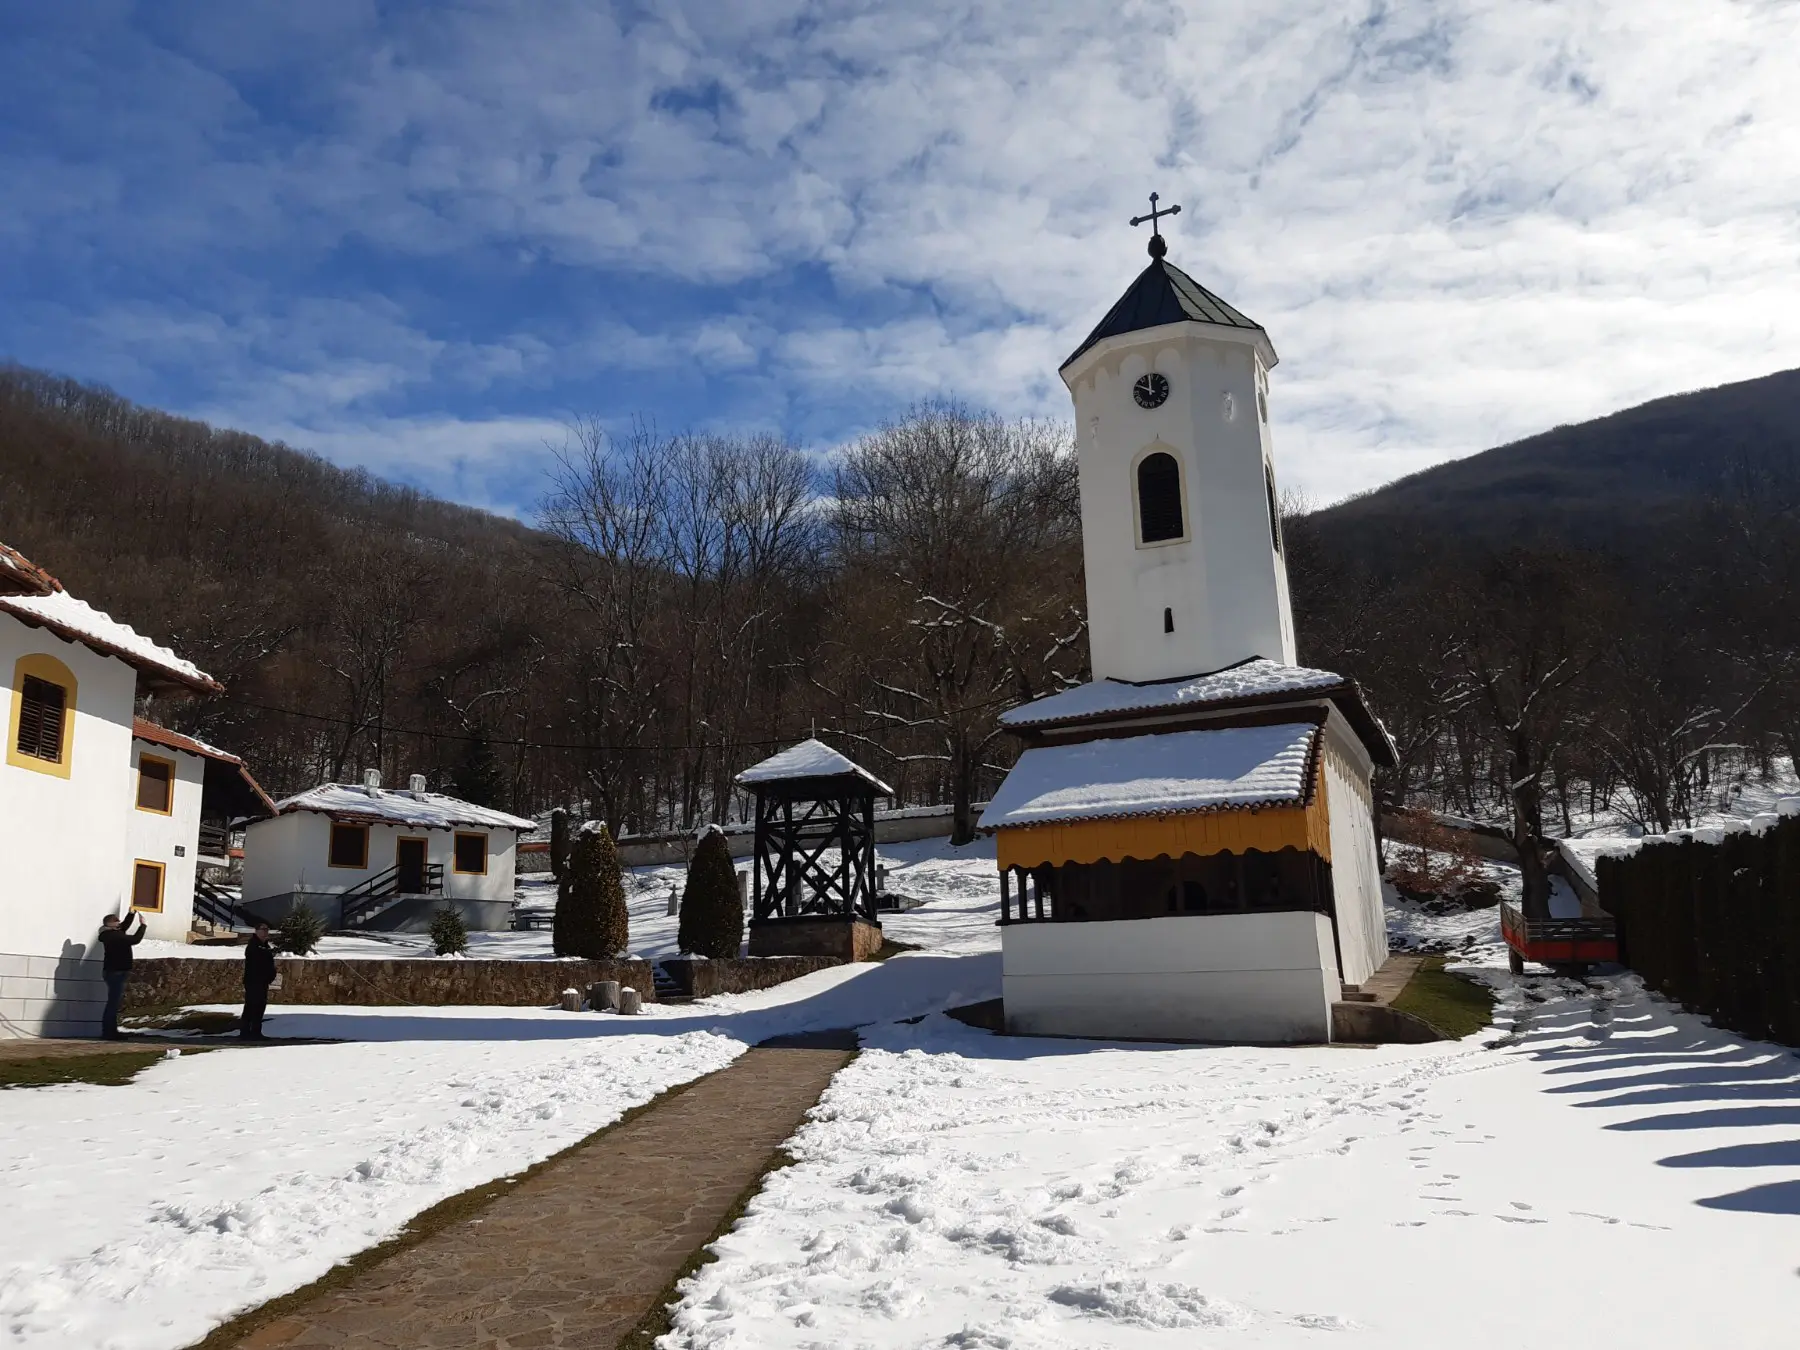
{"x":1460,"y":220}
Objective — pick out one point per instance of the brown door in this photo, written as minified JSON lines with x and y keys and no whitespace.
{"x":409,"y":863}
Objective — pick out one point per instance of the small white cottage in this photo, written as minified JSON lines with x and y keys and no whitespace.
{"x":69,"y":793}
{"x":365,"y":856}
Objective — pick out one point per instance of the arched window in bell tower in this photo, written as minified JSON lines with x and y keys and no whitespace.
{"x":1161,"y":519}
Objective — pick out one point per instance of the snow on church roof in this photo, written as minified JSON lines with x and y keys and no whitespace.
{"x":421,"y":810}
{"x":809,"y":759}
{"x":1257,"y":678}
{"x":1171,"y":773}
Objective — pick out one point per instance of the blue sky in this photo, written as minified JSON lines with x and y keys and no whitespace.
{"x":421,"y":238}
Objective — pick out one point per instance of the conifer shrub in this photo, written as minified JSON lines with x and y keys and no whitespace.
{"x":299,"y":931}
{"x":591,"y":919}
{"x":449,"y":935}
{"x":712,"y":919}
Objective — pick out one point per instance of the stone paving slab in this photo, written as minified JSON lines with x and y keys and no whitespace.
{"x":576,"y":1255}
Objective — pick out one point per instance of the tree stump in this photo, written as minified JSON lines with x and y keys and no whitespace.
{"x":603,"y":996}
{"x":571,"y":1000}
{"x":629,"y":1000}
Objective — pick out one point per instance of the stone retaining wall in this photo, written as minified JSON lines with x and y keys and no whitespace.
{"x":702,"y":979}
{"x":161,"y":982}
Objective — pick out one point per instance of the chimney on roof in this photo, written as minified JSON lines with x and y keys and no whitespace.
{"x":371,"y":779}
{"x":416,"y":785}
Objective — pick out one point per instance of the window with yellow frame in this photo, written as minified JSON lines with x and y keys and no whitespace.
{"x":40,"y":726}
{"x":147,"y":886}
{"x":156,"y":785}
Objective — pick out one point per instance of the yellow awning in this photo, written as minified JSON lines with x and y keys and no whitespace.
{"x":1268,"y":829}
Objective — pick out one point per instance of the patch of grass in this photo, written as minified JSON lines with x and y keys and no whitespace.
{"x":106,"y":1070}
{"x":660,"y":1320}
{"x":1454,"y":1004}
{"x":445,"y":1214}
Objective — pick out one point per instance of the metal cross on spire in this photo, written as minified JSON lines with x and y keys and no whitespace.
{"x":1157,"y":247}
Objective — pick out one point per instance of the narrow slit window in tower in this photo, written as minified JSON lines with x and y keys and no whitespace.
{"x":1159,"y":498}
{"x":1274,"y":506}
{"x":1168,"y":621}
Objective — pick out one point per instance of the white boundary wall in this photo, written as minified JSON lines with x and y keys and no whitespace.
{"x":1256,"y":978}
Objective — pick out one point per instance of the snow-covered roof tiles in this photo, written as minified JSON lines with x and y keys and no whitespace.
{"x":1173,"y":773}
{"x":78,"y":621}
{"x":809,"y":759}
{"x":425,"y":810}
{"x":19,"y":573}
{"x":1256,"y":678}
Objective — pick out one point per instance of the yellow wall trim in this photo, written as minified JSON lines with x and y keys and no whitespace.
{"x":1268,"y":829}
{"x":42,"y":666}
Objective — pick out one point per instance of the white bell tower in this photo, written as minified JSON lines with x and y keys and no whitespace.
{"x":1180,"y":521}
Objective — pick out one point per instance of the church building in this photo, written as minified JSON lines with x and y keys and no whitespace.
{"x":1186,"y":845}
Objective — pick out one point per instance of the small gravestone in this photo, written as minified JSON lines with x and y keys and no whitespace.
{"x":674,"y":899}
{"x":603,"y":996}
{"x":629,"y":1000}
{"x":571,"y":1000}
{"x":744,"y":891}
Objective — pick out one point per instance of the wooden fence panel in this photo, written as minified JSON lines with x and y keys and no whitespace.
{"x":1715,"y":924}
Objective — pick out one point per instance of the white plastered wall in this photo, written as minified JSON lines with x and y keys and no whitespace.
{"x":1225,"y":585}
{"x":1355,"y":861}
{"x":154,"y":837}
{"x":1253,"y":978}
{"x":62,"y":840}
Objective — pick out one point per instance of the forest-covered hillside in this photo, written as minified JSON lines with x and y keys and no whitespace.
{"x":685,"y":605}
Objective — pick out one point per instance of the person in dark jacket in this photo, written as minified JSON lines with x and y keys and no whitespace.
{"x":116,"y":943}
{"x":259,"y":974}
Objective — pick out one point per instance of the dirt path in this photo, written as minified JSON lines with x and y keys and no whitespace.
{"x":578,"y":1253}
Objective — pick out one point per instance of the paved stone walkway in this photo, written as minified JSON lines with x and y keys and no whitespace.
{"x":576,"y":1255}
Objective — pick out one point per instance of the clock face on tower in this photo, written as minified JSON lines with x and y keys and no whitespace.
{"x":1150,"y":391}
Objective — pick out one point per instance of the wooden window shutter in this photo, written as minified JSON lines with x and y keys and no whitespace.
{"x":42,"y":707}
{"x":1159,"y":498}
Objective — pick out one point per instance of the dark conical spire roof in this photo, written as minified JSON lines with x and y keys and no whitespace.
{"x":1163,"y":293}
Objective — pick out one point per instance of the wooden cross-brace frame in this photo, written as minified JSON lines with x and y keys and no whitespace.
{"x":799,"y":824}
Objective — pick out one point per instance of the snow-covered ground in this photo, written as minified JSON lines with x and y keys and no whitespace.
{"x":141,"y":1216}
{"x":1597,"y":1168}
{"x":1606,"y":1173}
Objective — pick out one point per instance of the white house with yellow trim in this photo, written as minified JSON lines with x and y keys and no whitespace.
{"x":68,"y":787}
{"x":365,"y":856}
{"x":1187,"y":843}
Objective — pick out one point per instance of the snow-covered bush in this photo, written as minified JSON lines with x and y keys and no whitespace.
{"x":591,"y":919}
{"x":299,"y":931}
{"x":712,"y":919}
{"x":449,"y":935}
